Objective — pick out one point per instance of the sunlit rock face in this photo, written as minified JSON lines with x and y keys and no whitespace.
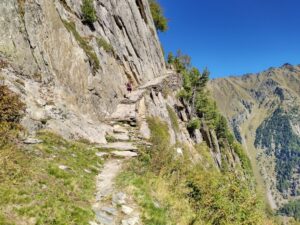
{"x":70,"y":74}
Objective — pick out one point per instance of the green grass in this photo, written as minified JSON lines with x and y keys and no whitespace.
{"x":33,"y":187}
{"x":84,"y":45}
{"x":102,"y":43}
{"x":173,"y":118}
{"x":152,"y":213}
{"x":172,"y":190}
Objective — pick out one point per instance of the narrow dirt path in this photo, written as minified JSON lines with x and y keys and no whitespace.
{"x":105,"y":180}
{"x":112,"y":206}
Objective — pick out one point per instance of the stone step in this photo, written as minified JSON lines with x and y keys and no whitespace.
{"x":109,"y":210}
{"x":134,"y":96}
{"x":131,"y":221}
{"x":119,"y":136}
{"x":145,"y":143}
{"x":126,"y":154}
{"x":121,"y":146}
{"x":104,"y":218}
{"x":101,"y":154}
{"x":124,"y":113}
{"x":118,"y":129}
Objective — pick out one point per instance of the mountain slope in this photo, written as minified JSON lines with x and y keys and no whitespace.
{"x":77,"y":147}
{"x":263,"y":111}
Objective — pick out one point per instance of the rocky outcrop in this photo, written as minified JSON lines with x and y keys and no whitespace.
{"x":69,"y":73}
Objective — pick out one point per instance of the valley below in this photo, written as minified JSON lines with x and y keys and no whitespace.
{"x":263,"y":111}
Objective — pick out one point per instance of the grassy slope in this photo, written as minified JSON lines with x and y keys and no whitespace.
{"x":229,"y":92}
{"x":175,"y":191}
{"x":248,"y":134}
{"x":34,"y":190}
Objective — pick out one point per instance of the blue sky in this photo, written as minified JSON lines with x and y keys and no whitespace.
{"x":234,"y":37}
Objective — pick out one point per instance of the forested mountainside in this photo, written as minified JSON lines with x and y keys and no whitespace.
{"x":77,"y":146}
{"x":263,"y":110}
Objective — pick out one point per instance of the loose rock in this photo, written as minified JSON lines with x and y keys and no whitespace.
{"x":126,"y":210}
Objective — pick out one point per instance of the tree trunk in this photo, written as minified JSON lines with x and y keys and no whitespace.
{"x":193,"y":102}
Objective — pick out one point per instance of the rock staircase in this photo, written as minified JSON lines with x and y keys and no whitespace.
{"x":112,"y":206}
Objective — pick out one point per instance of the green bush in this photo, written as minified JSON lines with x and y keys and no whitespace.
{"x":11,"y":112}
{"x":160,"y":139}
{"x":160,"y":21}
{"x":11,"y":107}
{"x":88,"y":11}
{"x":170,"y":58}
{"x":194,"y":124}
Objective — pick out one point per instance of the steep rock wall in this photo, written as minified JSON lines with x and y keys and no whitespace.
{"x":50,"y":56}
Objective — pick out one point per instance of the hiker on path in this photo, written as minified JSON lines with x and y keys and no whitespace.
{"x":129,"y":87}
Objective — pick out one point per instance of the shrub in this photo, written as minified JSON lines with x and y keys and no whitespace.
{"x":11,"y":107}
{"x":161,"y":154}
{"x":160,"y":21}
{"x":88,"y":11}
{"x":194,"y":124}
{"x":11,"y":112}
{"x":185,"y":192}
{"x":171,"y":58}
{"x":245,"y":161}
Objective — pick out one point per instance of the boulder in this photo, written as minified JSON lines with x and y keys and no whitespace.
{"x":198,"y":136}
{"x":124,"y":113}
{"x":144,"y":130}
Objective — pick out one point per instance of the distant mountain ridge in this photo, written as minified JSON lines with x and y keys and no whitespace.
{"x":263,"y":111}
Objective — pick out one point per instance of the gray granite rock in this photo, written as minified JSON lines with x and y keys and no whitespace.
{"x":121,"y":146}
{"x":126,"y":209}
{"x":124,"y":153}
{"x":131,"y":221}
{"x":32,"y":141}
{"x":119,"y":198}
{"x":60,"y":86}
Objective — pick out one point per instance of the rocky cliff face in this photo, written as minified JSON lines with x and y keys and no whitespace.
{"x":72,"y":78}
{"x":263,"y":110}
{"x":69,"y":73}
